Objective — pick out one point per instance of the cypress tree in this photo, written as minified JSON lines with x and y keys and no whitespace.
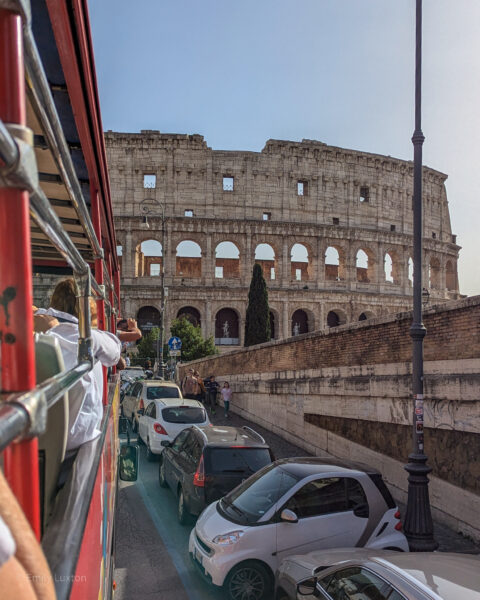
{"x":257,"y":322}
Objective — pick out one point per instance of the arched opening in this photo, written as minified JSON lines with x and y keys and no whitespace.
{"x":334,"y":264}
{"x":364,"y":264}
{"x":365,"y":315}
{"x":410,"y":270}
{"x":148,"y":317}
{"x":299,"y":265}
{"x":299,"y":322}
{"x":388,"y":268}
{"x":191,"y":314}
{"x":227,"y":261}
{"x":336,"y":317}
{"x":189,"y":259}
{"x":265,"y":257}
{"x":272,"y":326}
{"x":450,"y":276}
{"x":149,"y":257}
{"x":434,"y":273}
{"x":226,"y":327}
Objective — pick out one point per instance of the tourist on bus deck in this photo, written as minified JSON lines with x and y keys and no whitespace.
{"x":128,"y":331}
{"x":85,"y":397}
{"x":24,"y":572}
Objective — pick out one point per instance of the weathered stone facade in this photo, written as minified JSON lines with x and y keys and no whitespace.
{"x":333,"y":202}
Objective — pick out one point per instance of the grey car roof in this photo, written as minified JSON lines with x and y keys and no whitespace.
{"x":312,"y":465}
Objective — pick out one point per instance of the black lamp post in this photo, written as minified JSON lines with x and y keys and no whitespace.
{"x":159,"y":350}
{"x":418,"y":523}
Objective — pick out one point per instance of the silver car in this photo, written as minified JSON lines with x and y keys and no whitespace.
{"x":366,"y":574}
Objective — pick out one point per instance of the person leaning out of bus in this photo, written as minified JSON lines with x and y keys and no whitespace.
{"x":85,"y":397}
{"x":24,"y":572}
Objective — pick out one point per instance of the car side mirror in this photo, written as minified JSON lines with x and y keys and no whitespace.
{"x":308,"y":587}
{"x":361,"y":510}
{"x":128,"y":462}
{"x":165,"y":443}
{"x":288,"y":516}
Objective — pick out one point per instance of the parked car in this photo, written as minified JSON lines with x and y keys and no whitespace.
{"x":143,"y":391}
{"x":131,"y":373}
{"x":202,"y":464}
{"x":292,"y":506}
{"x":361,"y":573}
{"x":164,"y":419}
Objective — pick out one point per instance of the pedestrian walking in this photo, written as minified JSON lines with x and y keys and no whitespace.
{"x":212,"y":390}
{"x":226,"y":393}
{"x":201,"y":391}
{"x":190,"y":385}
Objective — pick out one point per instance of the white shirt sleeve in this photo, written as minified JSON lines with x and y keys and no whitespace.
{"x":106,"y":347}
{"x":7,"y":543}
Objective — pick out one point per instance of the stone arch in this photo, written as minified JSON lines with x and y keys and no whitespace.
{"x":366,"y":314}
{"x":450,"y":275}
{"x":227,"y":327}
{"x":190,"y":313}
{"x":434,"y":273}
{"x":266,"y":257}
{"x":148,"y":257}
{"x":301,"y":321}
{"x":227,"y":260}
{"x":336,"y":317}
{"x":410,"y":270}
{"x":365,"y":265}
{"x":148,"y":317}
{"x":334,"y":263}
{"x":299,"y":262}
{"x":188,"y":259}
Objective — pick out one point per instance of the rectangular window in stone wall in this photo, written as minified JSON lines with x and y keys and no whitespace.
{"x":364,"y":194}
{"x":154,"y":270}
{"x":189,"y":213}
{"x":336,"y":221}
{"x":298,"y":274}
{"x":302,"y":188}
{"x":267,"y":216}
{"x":149,"y":180}
{"x":227,"y":183}
{"x":219,"y":272}
{"x":272,"y":273}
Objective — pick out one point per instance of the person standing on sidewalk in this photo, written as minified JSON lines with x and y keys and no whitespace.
{"x":212,"y":390}
{"x":226,"y":397}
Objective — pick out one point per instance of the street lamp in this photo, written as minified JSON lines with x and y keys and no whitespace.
{"x":160,"y":341}
{"x":418,"y":523}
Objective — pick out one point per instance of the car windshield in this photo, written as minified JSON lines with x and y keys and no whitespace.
{"x":184,"y":414}
{"x":249,"y":501}
{"x":162,"y":391}
{"x":132,"y":373}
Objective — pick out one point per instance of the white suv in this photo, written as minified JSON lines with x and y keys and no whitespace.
{"x":292,"y":506}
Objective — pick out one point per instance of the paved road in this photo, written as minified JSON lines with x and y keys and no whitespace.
{"x":152,"y":560}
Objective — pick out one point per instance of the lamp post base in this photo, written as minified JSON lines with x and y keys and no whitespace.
{"x":418,"y":523}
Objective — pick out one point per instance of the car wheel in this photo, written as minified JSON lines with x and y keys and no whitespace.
{"x":182,"y":511}
{"x":161,"y":474}
{"x":249,"y":579}
{"x":151,"y":457}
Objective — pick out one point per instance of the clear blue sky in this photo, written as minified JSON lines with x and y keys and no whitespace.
{"x":339,"y":71}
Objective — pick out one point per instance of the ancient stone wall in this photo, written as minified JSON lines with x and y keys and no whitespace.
{"x":331,"y":227}
{"x":346,"y":391}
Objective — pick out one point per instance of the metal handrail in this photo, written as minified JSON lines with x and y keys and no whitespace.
{"x":21,"y":413}
{"x":44,"y":105}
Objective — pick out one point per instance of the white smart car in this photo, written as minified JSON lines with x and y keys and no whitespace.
{"x":165,"y":418}
{"x":292,"y":506}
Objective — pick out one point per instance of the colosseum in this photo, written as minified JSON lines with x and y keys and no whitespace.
{"x":331,"y":228}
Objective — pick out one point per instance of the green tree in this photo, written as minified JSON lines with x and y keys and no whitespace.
{"x":147,"y":346}
{"x":193,"y":344}
{"x":257,"y":322}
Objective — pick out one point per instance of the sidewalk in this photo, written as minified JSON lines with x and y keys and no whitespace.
{"x":449,"y":540}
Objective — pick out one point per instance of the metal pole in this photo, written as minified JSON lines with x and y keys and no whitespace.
{"x":16,"y":315}
{"x":418,"y":523}
{"x":162,"y":283}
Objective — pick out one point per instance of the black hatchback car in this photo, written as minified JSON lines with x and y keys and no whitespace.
{"x":203,"y":463}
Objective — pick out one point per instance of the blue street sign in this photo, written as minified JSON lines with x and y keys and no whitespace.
{"x":174,"y":343}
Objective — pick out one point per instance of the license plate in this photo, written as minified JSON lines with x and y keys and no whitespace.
{"x":197,"y":556}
